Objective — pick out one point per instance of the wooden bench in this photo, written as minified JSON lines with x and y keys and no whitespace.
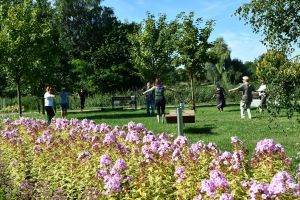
{"x":187,"y":115}
{"x":125,"y":99}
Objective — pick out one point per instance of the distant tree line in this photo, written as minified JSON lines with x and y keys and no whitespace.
{"x":82,"y":44}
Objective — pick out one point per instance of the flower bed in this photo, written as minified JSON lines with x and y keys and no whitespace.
{"x":72,"y":159}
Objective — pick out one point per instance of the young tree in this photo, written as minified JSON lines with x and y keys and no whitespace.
{"x":152,"y":51}
{"x":192,"y":45}
{"x":24,"y":41}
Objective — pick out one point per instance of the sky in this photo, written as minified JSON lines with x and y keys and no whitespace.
{"x":243,"y":43}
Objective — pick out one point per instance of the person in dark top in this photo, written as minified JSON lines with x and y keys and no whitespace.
{"x":82,"y":96}
{"x":246,"y":100}
{"x":220,"y":98}
{"x":149,"y":99}
{"x":160,"y":101}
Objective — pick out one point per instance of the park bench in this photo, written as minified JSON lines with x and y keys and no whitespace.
{"x":124,"y":100}
{"x":187,"y":115}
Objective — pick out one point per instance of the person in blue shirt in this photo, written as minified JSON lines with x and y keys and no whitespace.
{"x":149,"y":99}
{"x":64,"y":102}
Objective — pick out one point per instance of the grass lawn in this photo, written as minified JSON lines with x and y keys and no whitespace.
{"x":210,"y":126}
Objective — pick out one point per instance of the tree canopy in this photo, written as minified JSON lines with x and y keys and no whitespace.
{"x":277,"y":20}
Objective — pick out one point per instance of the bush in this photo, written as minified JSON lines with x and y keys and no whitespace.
{"x":84,"y":160}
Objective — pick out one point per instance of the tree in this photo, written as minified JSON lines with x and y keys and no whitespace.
{"x":278,"y":21}
{"x":24,"y":40}
{"x":281,"y":75}
{"x":192,"y":45}
{"x":152,"y":51}
{"x":221,"y":55}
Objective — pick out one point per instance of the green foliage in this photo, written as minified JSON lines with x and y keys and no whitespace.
{"x":153,"y":47}
{"x":283,"y":79}
{"x":276,"y":20}
{"x":221,"y":56}
{"x":24,"y":39}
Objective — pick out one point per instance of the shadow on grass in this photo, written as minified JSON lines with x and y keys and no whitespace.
{"x":114,"y":116}
{"x":206,"y":130}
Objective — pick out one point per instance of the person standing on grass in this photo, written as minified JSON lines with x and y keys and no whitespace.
{"x":149,"y":99}
{"x":220,"y":97}
{"x":48,"y":96}
{"x":246,"y":100}
{"x":160,"y":101}
{"x":82,"y":96}
{"x":262,"y":93}
{"x":64,"y":102}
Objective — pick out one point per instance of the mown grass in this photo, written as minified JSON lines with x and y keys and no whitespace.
{"x":210,"y":126}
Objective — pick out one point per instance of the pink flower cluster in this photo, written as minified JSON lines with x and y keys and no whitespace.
{"x":133,"y":160}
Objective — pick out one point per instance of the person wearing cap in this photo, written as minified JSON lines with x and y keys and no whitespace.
{"x":246,"y":100}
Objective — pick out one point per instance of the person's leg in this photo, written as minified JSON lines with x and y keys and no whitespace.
{"x":249,"y":110}
{"x":158,"y":108}
{"x":148,"y":107}
{"x":152,"y":107}
{"x":242,"y":107}
{"x":163,"y":106}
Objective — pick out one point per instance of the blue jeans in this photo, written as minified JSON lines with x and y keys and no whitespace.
{"x":150,"y":103}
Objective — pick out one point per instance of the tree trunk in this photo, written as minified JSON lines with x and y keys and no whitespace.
{"x":193,"y":93}
{"x":19,"y":99}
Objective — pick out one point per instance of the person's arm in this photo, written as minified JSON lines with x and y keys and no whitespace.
{"x":235,"y":89}
{"x":48,"y":95}
{"x":149,"y":90}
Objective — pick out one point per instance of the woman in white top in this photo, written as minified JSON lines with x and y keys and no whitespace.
{"x":48,"y":96}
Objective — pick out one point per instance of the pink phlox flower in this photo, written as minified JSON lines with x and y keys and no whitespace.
{"x":226,"y":196}
{"x":72,"y":133}
{"x":212,"y":148}
{"x":269,"y":146}
{"x":84,"y":155}
{"x":148,"y":138}
{"x":122,"y":134}
{"x":120,"y":165}
{"x":131,"y":126}
{"x":208,"y":187}
{"x":258,"y":189}
{"x":180,"y":173}
{"x":105,"y":160}
{"x":165,"y":148}
{"x":176,"y":154}
{"x":163,"y":136}
{"x":102,"y":173}
{"x":113,"y":184}
{"x":234,"y":139}
{"x":154,"y":146}
{"x":219,"y":179}
{"x":133,"y":137}
{"x":147,"y":153}
{"x":198,"y":197}
{"x":282,"y":183}
{"x":181,"y":142}
{"x":6,"y":121}
{"x":139,"y":127}
{"x":123,"y":149}
{"x":110,"y":138}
